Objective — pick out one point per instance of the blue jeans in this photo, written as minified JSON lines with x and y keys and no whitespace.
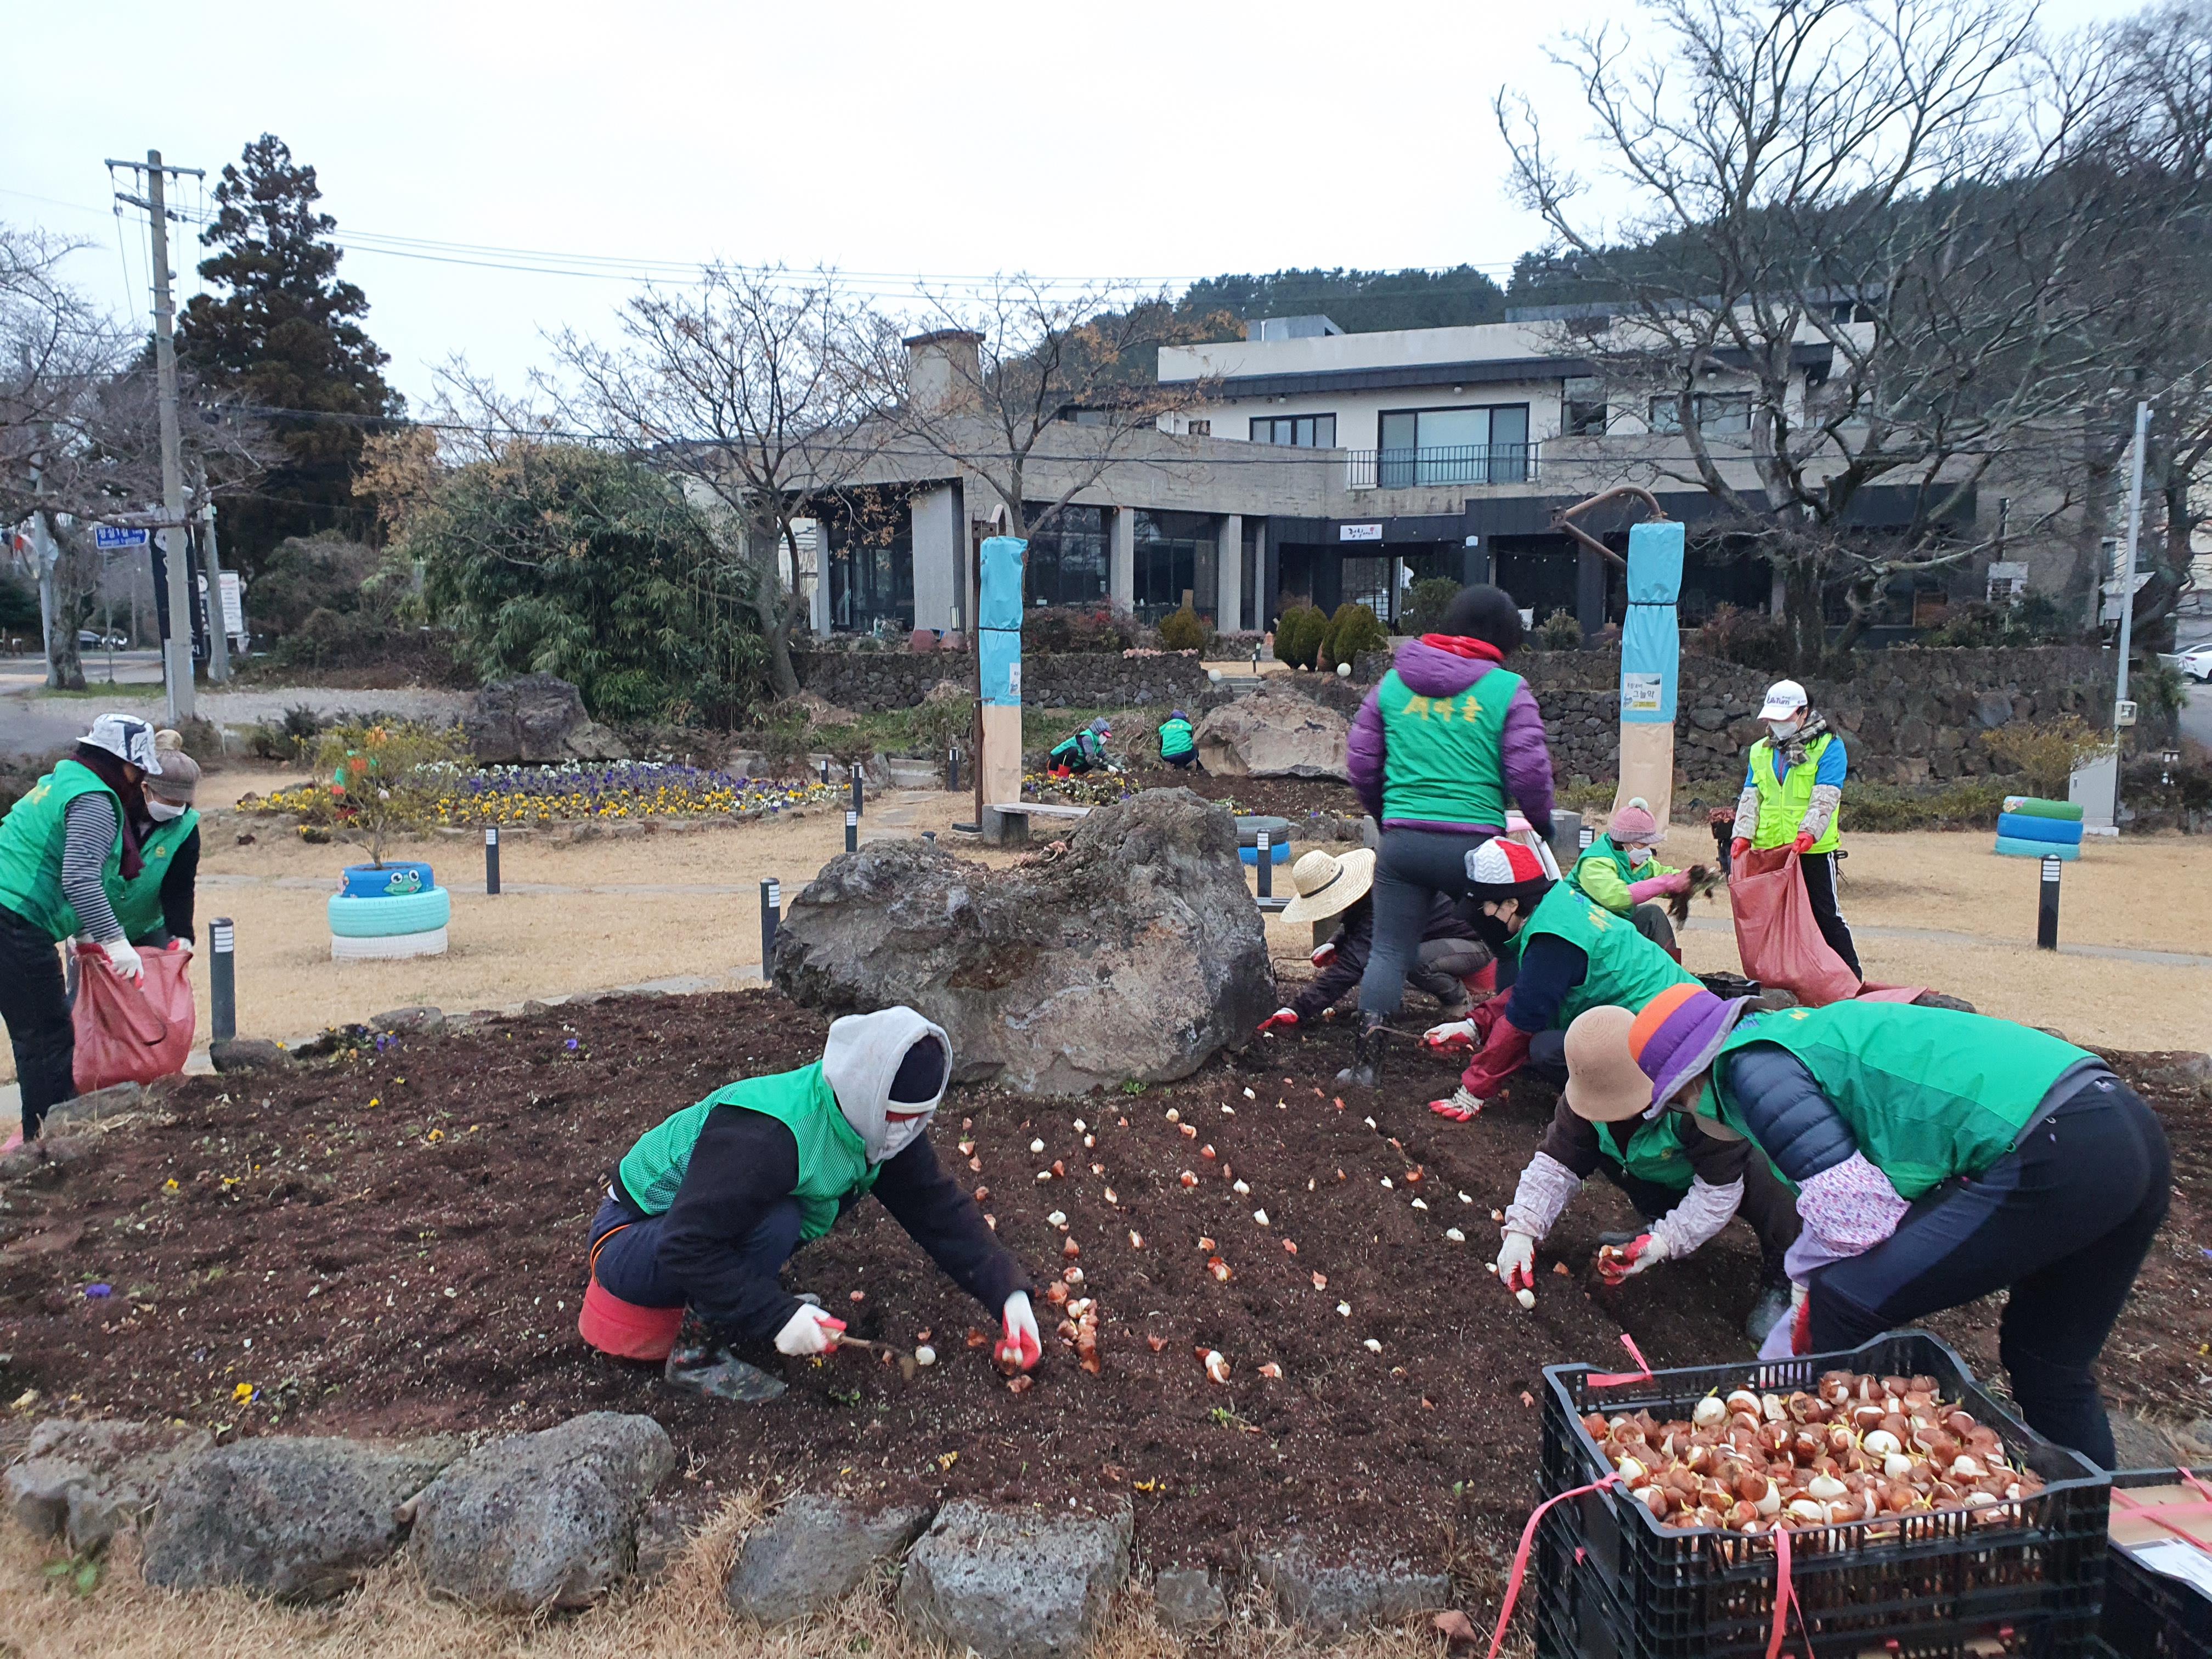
{"x":628,"y":1263}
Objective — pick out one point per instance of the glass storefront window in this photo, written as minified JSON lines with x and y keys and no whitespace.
{"x":1175,"y":555}
{"x":1067,"y":560}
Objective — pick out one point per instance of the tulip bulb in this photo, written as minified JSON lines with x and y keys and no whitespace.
{"x":1709,"y":1413}
{"x":1968,"y":1468}
{"x":1743,"y":1400}
{"x":1804,"y":1508}
{"x":1824,"y":1487}
{"x":1896,"y":1465}
{"x":1216,"y":1365}
{"x":1882,"y":1443}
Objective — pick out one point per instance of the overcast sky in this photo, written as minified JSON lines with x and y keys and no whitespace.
{"x":1139,"y":139}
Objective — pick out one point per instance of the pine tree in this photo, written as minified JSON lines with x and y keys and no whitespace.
{"x":286,"y":335}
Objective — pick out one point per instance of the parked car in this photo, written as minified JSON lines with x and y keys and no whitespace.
{"x":2195,"y":663}
{"x":91,"y":639}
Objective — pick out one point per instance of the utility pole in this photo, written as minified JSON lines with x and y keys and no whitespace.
{"x":177,"y":656}
{"x":2120,"y":704}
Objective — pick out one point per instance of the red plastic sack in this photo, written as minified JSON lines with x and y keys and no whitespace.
{"x":129,"y":1033}
{"x":1776,"y":935}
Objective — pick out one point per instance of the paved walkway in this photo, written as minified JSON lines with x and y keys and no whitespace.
{"x":1939,"y":936}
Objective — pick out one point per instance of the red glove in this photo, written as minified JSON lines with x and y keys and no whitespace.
{"x":1738,"y":847}
{"x":1021,"y":1347}
{"x":1282,"y":1018}
{"x":1617,"y":1266}
{"x":1800,"y":1328}
{"x":1324,"y":954}
{"x":1804,"y":842}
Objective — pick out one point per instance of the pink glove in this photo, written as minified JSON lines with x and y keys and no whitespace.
{"x":1738,"y":847}
{"x":1652,"y":887}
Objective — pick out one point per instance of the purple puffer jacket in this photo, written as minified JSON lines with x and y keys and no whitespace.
{"x":1430,"y":672}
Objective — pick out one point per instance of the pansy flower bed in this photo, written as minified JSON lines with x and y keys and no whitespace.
{"x":510,"y":796}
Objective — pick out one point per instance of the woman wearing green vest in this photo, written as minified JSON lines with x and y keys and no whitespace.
{"x":64,"y":847}
{"x":1936,"y":1156}
{"x":1793,"y":794}
{"x":1178,"y":746}
{"x":1688,"y":1183}
{"x":707,"y":1207}
{"x":1083,"y":752}
{"x":1621,"y":871}
{"x":155,"y":906}
{"x":1436,"y":751}
{"x":1568,"y":954}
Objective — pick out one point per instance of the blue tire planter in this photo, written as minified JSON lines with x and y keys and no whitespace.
{"x":398,"y":878}
{"x":385,"y":918}
{"x":2012,"y":847}
{"x":1280,"y":853}
{"x":2019,"y":826}
{"x":2034,"y":806}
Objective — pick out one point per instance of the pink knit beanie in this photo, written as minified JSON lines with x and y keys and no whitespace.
{"x":1634,"y":822}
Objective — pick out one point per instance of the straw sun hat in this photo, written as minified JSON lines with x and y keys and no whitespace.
{"x":1328,"y":885}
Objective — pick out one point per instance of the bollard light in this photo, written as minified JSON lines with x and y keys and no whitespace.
{"x":2046,"y":910}
{"x":491,"y":859}
{"x":852,"y":830}
{"x":857,"y":804}
{"x":952,"y":768}
{"x":222,"y":977}
{"x":771,"y":914}
{"x":1586,"y":837}
{"x":1267,"y":865}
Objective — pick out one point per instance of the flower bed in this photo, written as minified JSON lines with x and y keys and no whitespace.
{"x":511,"y":796}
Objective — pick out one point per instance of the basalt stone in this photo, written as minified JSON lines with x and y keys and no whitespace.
{"x":247,"y":1054}
{"x":421,"y":1020}
{"x":811,"y":1553}
{"x":1333,"y":1597}
{"x":1188,"y":1602}
{"x":1015,"y":1583}
{"x":1275,"y":734}
{"x":1136,"y":956}
{"x":87,"y":1481}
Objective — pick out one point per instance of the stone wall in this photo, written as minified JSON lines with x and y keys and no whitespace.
{"x":1908,"y":715}
{"x":870,"y":682}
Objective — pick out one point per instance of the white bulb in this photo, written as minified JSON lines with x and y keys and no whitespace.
{"x":1372,"y":1345}
{"x":1455,"y":1236}
{"x":925,"y":1355}
{"x":1036,"y":1145}
{"x":1527,"y":1299}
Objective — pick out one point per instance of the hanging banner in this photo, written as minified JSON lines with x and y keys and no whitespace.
{"x":1650,"y":663}
{"x":998,"y":612}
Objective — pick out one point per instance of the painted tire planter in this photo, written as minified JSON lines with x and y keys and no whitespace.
{"x":1278,"y":853}
{"x":2020,"y":826}
{"x":2012,"y":847}
{"x":431,"y":943}
{"x":2034,"y":806}
{"x":1249,"y":826}
{"x":393,"y":879}
{"x":390,"y":918}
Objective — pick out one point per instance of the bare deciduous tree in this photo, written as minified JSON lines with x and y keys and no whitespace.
{"x":756,"y":390}
{"x":1861,"y":222}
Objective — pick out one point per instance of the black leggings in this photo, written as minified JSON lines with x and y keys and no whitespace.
{"x":1819,"y":870}
{"x":36,"y":1009}
{"x":1411,"y":868}
{"x":2064,"y":1218}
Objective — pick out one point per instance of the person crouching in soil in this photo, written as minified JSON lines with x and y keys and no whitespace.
{"x":1621,"y":871}
{"x":706,"y":1208}
{"x":1450,"y":952}
{"x":1688,"y":1178}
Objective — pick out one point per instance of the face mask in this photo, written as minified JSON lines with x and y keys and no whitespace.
{"x":1638,"y":856}
{"x":1783,"y":730}
{"x":162,"y":811}
{"x":897,"y":1136}
{"x":1506,"y":913}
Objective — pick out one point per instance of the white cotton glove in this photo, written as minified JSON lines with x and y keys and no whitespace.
{"x":808,"y":1331}
{"x":1021,"y":1348}
{"x":1516,"y":1262}
{"x":123,"y":960}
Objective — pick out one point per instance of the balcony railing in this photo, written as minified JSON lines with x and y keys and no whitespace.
{"x":1460,"y":464}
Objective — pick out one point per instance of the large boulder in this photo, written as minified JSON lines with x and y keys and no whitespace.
{"x":812,"y":1552}
{"x":87,"y":1481}
{"x":1014,"y":1584}
{"x":296,"y":1518}
{"x":1136,"y":954}
{"x":1275,"y":734}
{"x":537,"y":719}
{"x":540,"y":1520}
{"x":1333,"y":1596}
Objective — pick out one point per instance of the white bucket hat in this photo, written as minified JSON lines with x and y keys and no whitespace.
{"x":128,"y":738}
{"x":1784,"y":699}
{"x":1328,"y":885}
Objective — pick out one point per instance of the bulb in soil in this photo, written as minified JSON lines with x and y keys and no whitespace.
{"x":1036,"y":1145}
{"x":1419,"y":1205}
{"x":1259,"y":1218}
{"x":1321,"y":1281}
{"x":1343,"y":1309}
{"x":1490,"y":1266}
{"x":1089,"y":1141}
{"x":1070,"y":1250}
{"x":925,"y":1355}
{"x":1371,"y":1123}
{"x":1057,"y":1219}
{"x":1208,"y":1150}
{"x":1073,"y":1275}
{"x":1174,"y":1116}
{"x":1240,"y":1189}
{"x":1187,"y":1179}
{"x":1110,"y":1197}
{"x":1387,"y":1180}
{"x":1216,"y":1365}
{"x":1136,"y":1240}
{"x":1526,"y":1297}
{"x":1272,"y":1371}
{"x":1455,"y":1236}
{"x":1080,"y":1126}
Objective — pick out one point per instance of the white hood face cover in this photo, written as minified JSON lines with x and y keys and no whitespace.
{"x":127,"y":738}
{"x":860,"y":1059}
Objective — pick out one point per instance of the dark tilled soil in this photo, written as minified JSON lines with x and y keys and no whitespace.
{"x":1295,"y":798}
{"x":395,"y":1244}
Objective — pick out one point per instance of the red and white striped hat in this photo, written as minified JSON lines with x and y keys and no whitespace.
{"x":1502,"y":863}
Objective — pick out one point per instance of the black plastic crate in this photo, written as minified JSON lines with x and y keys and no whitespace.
{"x":1936,"y":1585}
{"x":2148,"y":1615}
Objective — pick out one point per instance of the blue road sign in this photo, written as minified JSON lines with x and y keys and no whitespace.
{"x":109,"y":537}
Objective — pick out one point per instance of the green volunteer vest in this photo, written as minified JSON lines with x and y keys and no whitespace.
{"x":833,"y":1162}
{"x":138,"y":904}
{"x":1627,"y":969}
{"x":31,"y":849}
{"x":1654,"y":1153}
{"x":1175,"y":738}
{"x":1783,"y":802}
{"x":1074,"y":752}
{"x":1929,"y":1093}
{"x":1443,"y":757}
{"x":1588,"y":873}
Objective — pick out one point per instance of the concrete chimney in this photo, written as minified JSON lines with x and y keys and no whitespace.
{"x":944,"y":372}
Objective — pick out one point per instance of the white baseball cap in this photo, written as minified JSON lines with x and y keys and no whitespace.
{"x":128,"y":738}
{"x":1784,"y":699}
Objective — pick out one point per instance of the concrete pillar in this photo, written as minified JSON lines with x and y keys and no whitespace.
{"x":1121,"y":568}
{"x":1229,"y":559}
{"x":1777,"y":594}
{"x":938,"y":538}
{"x":817,"y":601}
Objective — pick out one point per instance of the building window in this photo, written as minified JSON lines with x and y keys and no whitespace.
{"x":1719,"y":413}
{"x":1200,"y":428}
{"x":1175,"y":558}
{"x":1454,"y":447}
{"x":1583,"y":416}
{"x":871,"y":572}
{"x":1296,"y":431}
{"x":1068,"y":560}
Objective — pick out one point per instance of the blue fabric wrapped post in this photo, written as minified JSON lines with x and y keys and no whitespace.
{"x":1650,"y":661}
{"x":999,"y":646}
